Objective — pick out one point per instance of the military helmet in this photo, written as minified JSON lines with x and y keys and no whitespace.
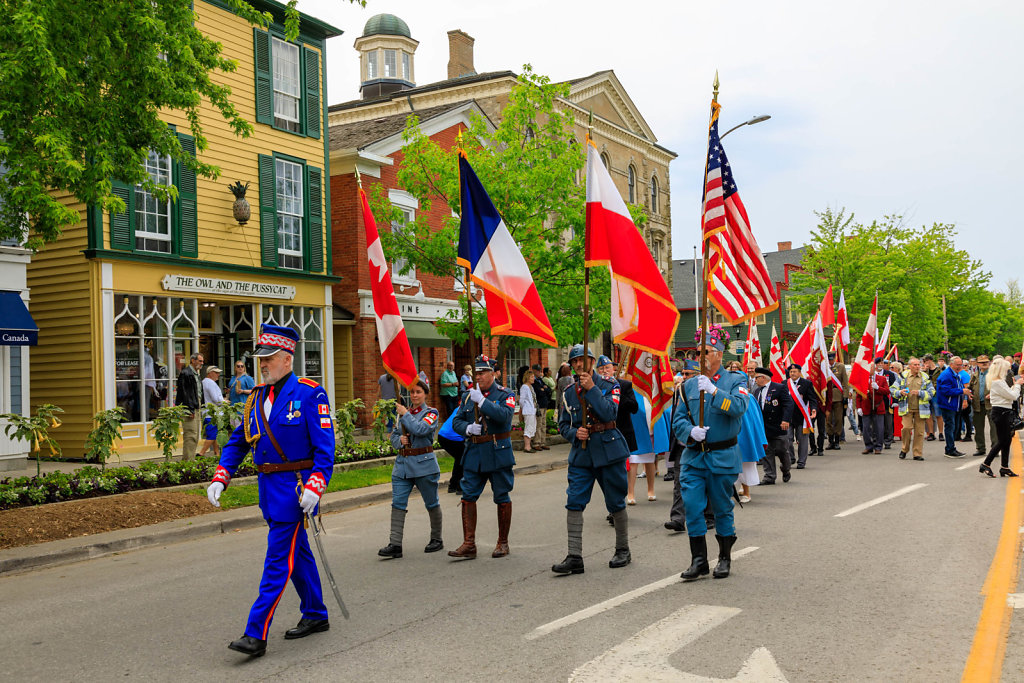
{"x":577,"y":352}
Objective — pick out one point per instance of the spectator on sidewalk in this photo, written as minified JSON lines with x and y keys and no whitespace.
{"x":1003,"y":394}
{"x":449,"y":392}
{"x":950,"y":394}
{"x":543,"y":394}
{"x":528,"y":408}
{"x":241,"y":384}
{"x":565,"y":379}
{"x":211,"y":394}
{"x":914,"y":392}
{"x":188,"y":393}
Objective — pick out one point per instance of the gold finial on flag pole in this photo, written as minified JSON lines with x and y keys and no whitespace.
{"x":359,"y":178}
{"x":714,"y":88}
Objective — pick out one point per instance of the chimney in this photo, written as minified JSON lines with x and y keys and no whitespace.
{"x":460,"y":54}
{"x":785,"y":246}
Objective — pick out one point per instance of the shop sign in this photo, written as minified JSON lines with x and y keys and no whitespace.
{"x":214,"y":285}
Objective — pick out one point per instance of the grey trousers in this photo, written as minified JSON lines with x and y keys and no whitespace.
{"x":983,"y":418}
{"x":677,"y":513}
{"x":888,"y":428}
{"x":796,"y":434}
{"x":776,"y":449}
{"x":874,"y":431}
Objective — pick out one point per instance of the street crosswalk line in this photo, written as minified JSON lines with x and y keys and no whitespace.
{"x":610,"y":603}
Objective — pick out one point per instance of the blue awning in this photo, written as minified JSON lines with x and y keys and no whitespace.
{"x":17,"y":328}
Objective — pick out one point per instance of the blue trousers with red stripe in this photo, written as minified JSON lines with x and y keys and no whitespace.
{"x":288,"y":557}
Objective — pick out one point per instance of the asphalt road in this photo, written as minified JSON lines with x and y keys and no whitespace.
{"x":890,"y":591}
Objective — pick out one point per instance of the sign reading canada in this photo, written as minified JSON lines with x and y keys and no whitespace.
{"x":213,"y":285}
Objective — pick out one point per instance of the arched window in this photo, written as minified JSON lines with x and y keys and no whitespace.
{"x":606,"y":161}
{"x":654,"y":195}
{"x":632,"y":184}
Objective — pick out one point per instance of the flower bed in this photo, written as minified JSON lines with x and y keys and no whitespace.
{"x":89,"y":481}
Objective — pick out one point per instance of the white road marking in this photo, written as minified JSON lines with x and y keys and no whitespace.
{"x":645,"y":655}
{"x":881,"y":499}
{"x":965,"y":467}
{"x":1015,"y":600}
{"x":610,"y":603}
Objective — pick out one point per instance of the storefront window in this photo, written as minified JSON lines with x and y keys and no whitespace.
{"x":153,"y":339}
{"x":308,"y":322}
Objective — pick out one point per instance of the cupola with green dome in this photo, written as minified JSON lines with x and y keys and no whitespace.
{"x":386,"y":56}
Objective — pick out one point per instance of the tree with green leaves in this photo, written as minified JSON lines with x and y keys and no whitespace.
{"x":531,"y":166}
{"x":912,"y":269}
{"x":82,"y":87}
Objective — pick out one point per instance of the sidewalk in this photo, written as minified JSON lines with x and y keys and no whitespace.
{"x":65,"y":551}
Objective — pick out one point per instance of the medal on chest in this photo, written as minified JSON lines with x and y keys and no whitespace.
{"x":293,"y":410}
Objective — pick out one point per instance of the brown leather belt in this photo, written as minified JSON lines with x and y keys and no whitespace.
{"x":601,"y":426}
{"x":415,"y":451}
{"x":484,"y":438}
{"x":293,"y":466}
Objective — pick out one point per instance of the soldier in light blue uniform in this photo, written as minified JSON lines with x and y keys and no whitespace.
{"x":287,"y":424}
{"x":416,"y":465}
{"x":485,"y":419}
{"x":598,"y":453}
{"x":711,"y":458}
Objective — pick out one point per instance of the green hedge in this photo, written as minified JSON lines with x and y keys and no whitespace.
{"x":89,"y":481}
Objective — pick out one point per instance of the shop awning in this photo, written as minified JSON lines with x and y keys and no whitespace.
{"x":17,"y":328}
{"x":422,"y":333}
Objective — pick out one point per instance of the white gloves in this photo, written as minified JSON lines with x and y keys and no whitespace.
{"x":476,"y":396}
{"x":874,"y":384}
{"x":860,"y":413}
{"x":705,"y":384}
{"x":213,"y":492}
{"x":473,"y":429}
{"x":308,"y":501}
{"x":698,"y":433}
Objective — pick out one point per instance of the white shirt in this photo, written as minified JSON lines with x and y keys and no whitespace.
{"x":1003,"y":396}
{"x":211,"y":391}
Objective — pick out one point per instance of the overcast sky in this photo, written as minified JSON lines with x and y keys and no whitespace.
{"x":880,"y":107}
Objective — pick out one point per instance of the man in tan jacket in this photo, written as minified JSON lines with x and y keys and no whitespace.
{"x":837,"y":404}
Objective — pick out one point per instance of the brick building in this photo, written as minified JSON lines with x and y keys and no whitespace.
{"x":366,"y":133}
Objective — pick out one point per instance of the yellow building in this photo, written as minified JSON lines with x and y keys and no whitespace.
{"x":122,"y":301}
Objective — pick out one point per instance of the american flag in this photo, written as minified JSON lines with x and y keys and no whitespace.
{"x":739,"y":283}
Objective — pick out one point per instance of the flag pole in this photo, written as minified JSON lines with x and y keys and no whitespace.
{"x":704,"y":266}
{"x":584,"y":420}
{"x":468,"y":284}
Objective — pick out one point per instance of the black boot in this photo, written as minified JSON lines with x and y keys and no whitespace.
{"x":699,"y":565}
{"x":572,"y":564}
{"x":391,"y":550}
{"x":725,"y":544}
{"x":247,"y":645}
{"x":307,"y":627}
{"x":621,"y":558}
{"x":435,"y":543}
{"x":394,"y":547}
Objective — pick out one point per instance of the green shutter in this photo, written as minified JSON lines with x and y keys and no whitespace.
{"x":122,"y":225}
{"x":268,"y":212}
{"x":311,"y":92}
{"x":315,"y":219}
{"x":187,"y":215}
{"x":264,"y":80}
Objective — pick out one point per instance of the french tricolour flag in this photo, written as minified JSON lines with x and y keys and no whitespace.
{"x":495,"y":263}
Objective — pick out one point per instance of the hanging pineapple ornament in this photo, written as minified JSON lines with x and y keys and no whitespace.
{"x":240,"y":209}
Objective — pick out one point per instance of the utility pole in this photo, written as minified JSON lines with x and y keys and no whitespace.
{"x":945,"y":329}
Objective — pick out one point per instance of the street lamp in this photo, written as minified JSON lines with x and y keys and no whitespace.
{"x":756,"y":119}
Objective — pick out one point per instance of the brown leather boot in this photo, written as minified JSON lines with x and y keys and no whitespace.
{"x":468,"y":548}
{"x":504,"y":521}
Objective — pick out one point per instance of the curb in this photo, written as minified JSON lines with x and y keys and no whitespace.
{"x":66,"y":551}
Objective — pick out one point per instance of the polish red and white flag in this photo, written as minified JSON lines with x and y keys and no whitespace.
{"x":752,"y":348}
{"x":843,"y":322}
{"x":775,"y":362}
{"x":394,"y":344}
{"x":860,"y":373}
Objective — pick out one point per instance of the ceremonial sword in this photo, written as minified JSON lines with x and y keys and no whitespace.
{"x":323,"y":562}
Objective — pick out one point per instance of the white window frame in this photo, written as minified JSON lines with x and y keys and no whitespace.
{"x":285,"y":255}
{"x":280,"y":51}
{"x":390,"y":64}
{"x":155,"y":166}
{"x":371,"y":65}
{"x":409,"y":205}
{"x":406,"y":66}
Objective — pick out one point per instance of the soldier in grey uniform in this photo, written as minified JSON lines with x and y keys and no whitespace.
{"x":416,"y":465}
{"x":485,"y":419}
{"x":598,"y":453}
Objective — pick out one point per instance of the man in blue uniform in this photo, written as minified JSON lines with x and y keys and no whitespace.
{"x":598,"y":453}
{"x":287,"y":424}
{"x":711,"y":460}
{"x":485,"y":419}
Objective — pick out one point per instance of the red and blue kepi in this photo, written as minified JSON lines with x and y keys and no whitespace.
{"x":273,"y":339}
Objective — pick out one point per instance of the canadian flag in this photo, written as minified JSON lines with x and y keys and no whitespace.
{"x":810,"y":352}
{"x":394,"y":345}
{"x":843,"y":322}
{"x":860,"y":373}
{"x":827,"y":310}
{"x":752,"y":349}
{"x":775,"y":363}
{"x":883,"y":339}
